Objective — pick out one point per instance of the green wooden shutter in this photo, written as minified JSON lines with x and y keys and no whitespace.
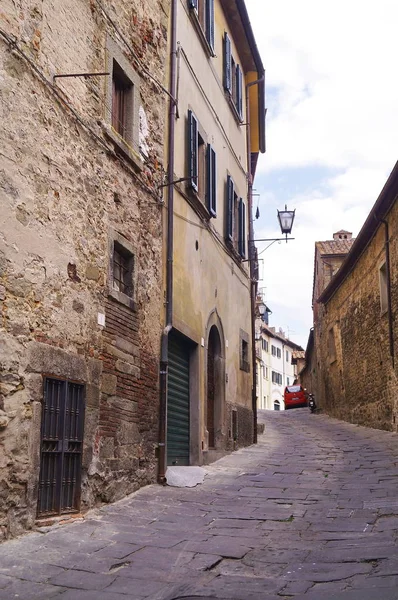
{"x":193,"y":150}
{"x":210,"y":23}
{"x":242,"y":229}
{"x":239,"y":92}
{"x":230,"y":210}
{"x":227,"y":64}
{"x":178,"y":403}
{"x":211,"y":181}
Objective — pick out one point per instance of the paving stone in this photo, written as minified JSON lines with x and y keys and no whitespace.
{"x":28,"y":590}
{"x":83,"y":580}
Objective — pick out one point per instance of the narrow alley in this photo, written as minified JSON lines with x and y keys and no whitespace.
{"x":310,"y":512}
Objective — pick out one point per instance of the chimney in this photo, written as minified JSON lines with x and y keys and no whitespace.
{"x":342,"y":235}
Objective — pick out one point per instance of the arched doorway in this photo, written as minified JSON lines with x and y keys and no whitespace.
{"x":214,"y":387}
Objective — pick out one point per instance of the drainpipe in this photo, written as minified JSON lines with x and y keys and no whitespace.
{"x":389,"y":301}
{"x":253,"y":281}
{"x":164,"y":356}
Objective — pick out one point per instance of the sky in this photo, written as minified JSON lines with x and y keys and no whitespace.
{"x":331,"y":134}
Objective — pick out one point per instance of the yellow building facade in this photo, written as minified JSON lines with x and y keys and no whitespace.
{"x":213,"y":143}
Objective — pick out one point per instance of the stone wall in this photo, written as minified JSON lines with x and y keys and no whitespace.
{"x":65,"y":187}
{"x":355,"y":377}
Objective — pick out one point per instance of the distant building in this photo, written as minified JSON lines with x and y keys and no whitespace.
{"x":276,"y":367}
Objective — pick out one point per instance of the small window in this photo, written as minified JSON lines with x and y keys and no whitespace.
{"x":122,"y":101}
{"x":273,"y":350}
{"x":278,"y":353}
{"x":287,"y":381}
{"x":383,"y":288}
{"x":287,"y":356}
{"x":123,"y":266}
{"x":202,"y":165}
{"x":122,"y":273}
{"x":204,"y":11}
{"x":244,"y":351}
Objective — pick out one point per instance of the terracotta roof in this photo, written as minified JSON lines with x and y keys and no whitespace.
{"x":334,"y":246}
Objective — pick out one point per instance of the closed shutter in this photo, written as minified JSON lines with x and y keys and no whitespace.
{"x":178,"y":403}
{"x":242,"y":229}
{"x":210,"y":23}
{"x":229,"y":234}
{"x":227,"y":64}
{"x":239,"y":92}
{"x":193,"y":150}
{"x":211,"y":181}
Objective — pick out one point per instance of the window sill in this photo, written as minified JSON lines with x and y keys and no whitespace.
{"x":202,"y":36}
{"x":122,"y":146}
{"x":122,"y":299}
{"x":196,"y":203}
{"x":233,"y":108}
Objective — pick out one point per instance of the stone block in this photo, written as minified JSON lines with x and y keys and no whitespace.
{"x":126,"y":346}
{"x":92,"y":272}
{"x":43,"y":358}
{"x":107,"y":448}
{"x":124,"y":367}
{"x":108,"y":384}
{"x":92,"y":395}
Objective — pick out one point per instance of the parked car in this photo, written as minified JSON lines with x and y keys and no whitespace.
{"x":294,"y":396}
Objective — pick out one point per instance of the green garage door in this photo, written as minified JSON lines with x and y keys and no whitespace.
{"x":178,"y":403}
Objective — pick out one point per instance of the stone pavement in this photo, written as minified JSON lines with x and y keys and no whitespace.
{"x":311,"y":512}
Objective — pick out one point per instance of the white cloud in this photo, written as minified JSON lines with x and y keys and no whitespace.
{"x":330,"y":69}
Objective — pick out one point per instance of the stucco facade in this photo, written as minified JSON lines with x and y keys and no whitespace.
{"x":356,"y":332}
{"x":276,"y":367}
{"x":211,"y":314}
{"x":79,"y":192}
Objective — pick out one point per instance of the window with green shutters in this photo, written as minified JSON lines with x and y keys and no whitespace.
{"x":204,"y":14}
{"x":202,"y":165}
{"x":233,"y":78}
{"x":235,"y":221}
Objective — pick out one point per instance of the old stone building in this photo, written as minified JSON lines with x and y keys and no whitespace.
{"x":214,"y":140}
{"x":81,"y":160}
{"x":356,"y":331}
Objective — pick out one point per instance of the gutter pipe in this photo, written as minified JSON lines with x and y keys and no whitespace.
{"x":253,"y":280}
{"x":164,"y":356}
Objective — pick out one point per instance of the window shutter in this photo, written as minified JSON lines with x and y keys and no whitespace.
{"x":211,"y":181}
{"x":239,"y":92}
{"x":242,"y":229}
{"x":210,"y":23}
{"x":193,"y":150}
{"x":227,"y":64}
{"x":193,"y":4}
{"x":230,"y":209}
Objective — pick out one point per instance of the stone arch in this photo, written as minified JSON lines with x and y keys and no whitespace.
{"x":214,"y":413}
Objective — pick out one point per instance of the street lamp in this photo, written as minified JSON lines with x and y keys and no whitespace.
{"x":286,"y":218}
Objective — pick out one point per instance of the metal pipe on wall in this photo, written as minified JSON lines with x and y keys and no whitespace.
{"x":253,"y":281}
{"x":164,"y":356}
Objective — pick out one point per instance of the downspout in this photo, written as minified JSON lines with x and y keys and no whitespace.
{"x":389,"y":301}
{"x":164,"y":356}
{"x":253,"y":281}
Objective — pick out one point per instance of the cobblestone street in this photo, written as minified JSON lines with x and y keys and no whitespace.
{"x":310,"y":512}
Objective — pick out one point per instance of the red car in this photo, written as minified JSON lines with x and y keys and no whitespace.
{"x":294,"y":396}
